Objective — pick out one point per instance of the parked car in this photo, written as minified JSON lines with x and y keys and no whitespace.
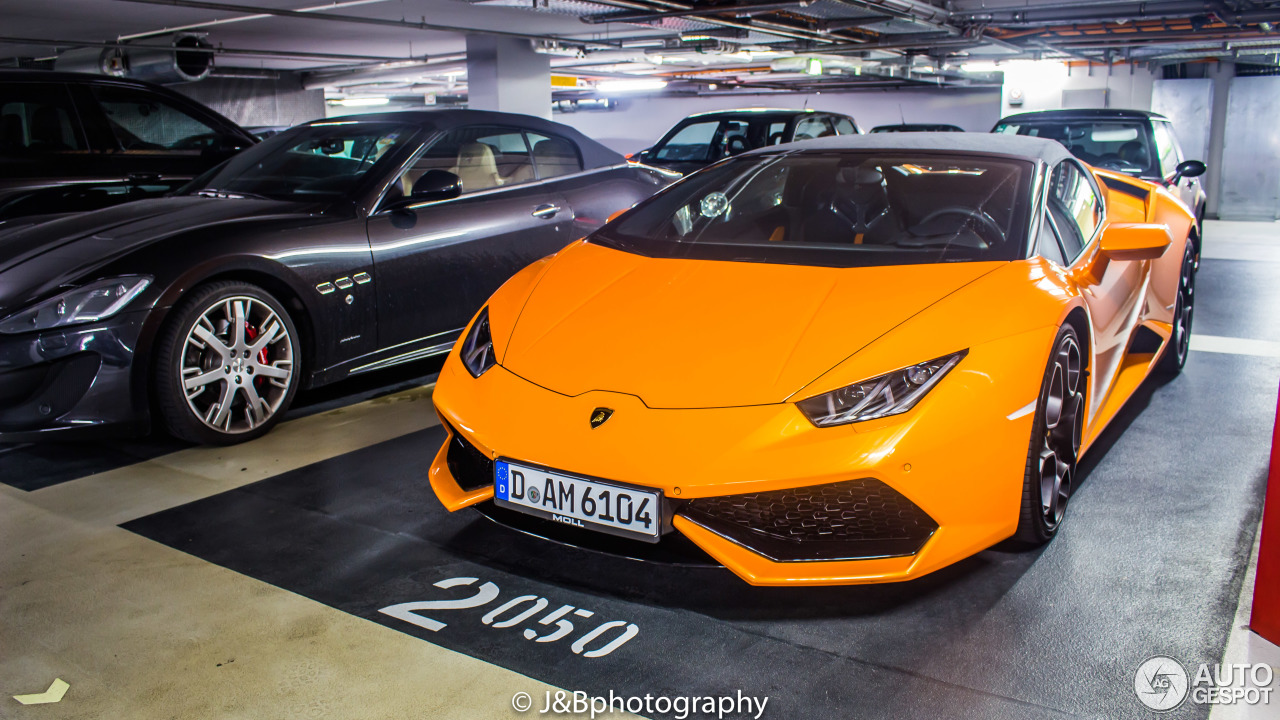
{"x":71,"y":142}
{"x":850,"y":360}
{"x":916,"y":127}
{"x":333,"y":249}
{"x":699,"y":140}
{"x":1134,"y":142}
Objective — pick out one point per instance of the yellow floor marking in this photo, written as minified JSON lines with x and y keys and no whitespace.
{"x":52,"y":695}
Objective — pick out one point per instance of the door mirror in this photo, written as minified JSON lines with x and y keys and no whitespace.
{"x":436,"y":185}
{"x":1189,"y":169}
{"x":1135,"y":241}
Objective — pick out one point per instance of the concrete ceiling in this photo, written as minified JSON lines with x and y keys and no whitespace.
{"x":753,"y":44}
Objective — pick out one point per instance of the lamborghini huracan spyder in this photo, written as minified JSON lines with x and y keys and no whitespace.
{"x":848,"y":360}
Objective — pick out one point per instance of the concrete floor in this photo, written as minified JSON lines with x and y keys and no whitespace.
{"x":248,"y":581}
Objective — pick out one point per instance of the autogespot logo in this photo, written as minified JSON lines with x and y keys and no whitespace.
{"x":1161,"y":683}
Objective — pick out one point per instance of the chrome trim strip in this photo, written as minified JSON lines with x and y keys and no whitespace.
{"x":426,"y":352}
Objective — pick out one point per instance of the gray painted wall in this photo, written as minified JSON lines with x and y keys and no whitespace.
{"x":251,"y":102}
{"x":1251,"y":150}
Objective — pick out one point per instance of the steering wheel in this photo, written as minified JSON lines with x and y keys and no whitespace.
{"x":983,"y":220}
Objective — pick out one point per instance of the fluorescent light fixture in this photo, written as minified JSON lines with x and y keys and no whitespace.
{"x":363,"y":101}
{"x":814,"y":67}
{"x":630,"y":85}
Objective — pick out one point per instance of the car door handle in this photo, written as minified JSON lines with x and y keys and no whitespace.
{"x":546,"y":212}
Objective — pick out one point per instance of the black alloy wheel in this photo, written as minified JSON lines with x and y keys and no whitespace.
{"x":1055,"y":442}
{"x":1175,"y":352}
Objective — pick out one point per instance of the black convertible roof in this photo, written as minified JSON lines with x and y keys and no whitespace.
{"x":1031,"y":148}
{"x":1084,"y":113}
{"x":593,"y":153}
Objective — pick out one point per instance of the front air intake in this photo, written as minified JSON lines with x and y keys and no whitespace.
{"x":470,"y":468}
{"x":850,"y":520}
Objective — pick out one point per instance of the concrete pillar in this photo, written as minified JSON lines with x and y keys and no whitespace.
{"x":505,"y":74}
{"x":1221,"y":74}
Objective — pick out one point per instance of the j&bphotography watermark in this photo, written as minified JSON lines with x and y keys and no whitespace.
{"x":579,"y":703}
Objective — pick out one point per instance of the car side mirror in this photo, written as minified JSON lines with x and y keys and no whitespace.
{"x":1188,"y":169}
{"x":436,"y":185}
{"x":1135,"y":241}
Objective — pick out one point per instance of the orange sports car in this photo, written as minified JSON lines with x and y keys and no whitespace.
{"x":849,"y":360}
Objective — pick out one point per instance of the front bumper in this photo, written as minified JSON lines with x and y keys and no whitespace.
{"x":944,"y":480}
{"x":74,"y":381}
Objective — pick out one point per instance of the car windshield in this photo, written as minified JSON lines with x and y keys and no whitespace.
{"x":324,"y":161}
{"x":837,"y":209}
{"x":1120,"y":145}
{"x":712,"y":139}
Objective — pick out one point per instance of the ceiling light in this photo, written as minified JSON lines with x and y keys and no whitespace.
{"x":814,"y":67}
{"x":630,"y":85}
{"x":363,"y":101}
{"x":712,"y":86}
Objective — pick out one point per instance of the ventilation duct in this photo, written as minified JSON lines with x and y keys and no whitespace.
{"x":187,"y":58}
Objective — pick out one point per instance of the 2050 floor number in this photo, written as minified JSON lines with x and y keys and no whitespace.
{"x":516,"y":611}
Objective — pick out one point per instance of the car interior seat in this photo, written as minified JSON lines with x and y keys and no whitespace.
{"x":476,"y":167}
{"x":1135,"y":152}
{"x":46,"y":129}
{"x":554,"y":157}
{"x":11,"y":136}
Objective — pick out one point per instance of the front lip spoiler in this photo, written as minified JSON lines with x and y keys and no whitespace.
{"x":673,"y":549}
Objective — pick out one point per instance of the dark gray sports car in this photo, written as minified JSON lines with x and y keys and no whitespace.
{"x":336,"y":248}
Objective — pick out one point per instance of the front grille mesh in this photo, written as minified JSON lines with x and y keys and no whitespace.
{"x":851,"y":519}
{"x":470,"y":468}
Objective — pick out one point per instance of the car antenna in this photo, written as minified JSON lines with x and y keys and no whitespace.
{"x":902,"y":114}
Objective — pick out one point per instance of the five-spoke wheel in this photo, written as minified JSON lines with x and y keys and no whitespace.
{"x":1055,"y":441}
{"x":228,"y":364}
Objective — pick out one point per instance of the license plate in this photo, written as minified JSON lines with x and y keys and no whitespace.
{"x":589,"y":504}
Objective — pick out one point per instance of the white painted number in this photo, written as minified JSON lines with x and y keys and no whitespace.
{"x":406,"y":611}
{"x":539,"y":604}
{"x":488,"y":592}
{"x":618,"y":642}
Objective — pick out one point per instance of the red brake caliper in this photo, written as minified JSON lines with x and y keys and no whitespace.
{"x":252,"y":333}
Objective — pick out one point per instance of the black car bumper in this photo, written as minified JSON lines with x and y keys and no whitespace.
{"x":73,"y":381}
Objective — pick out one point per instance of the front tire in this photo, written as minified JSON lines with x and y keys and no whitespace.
{"x":1055,"y":442}
{"x":228,"y":364}
{"x":1175,"y":352}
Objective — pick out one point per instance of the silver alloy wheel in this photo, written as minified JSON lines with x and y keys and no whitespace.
{"x":1063,"y":418}
{"x":237,"y":364}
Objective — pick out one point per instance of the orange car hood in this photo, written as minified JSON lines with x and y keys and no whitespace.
{"x":698,"y":333}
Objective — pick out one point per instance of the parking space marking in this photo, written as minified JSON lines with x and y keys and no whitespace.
{"x":1235,"y":346}
{"x":134,"y":491}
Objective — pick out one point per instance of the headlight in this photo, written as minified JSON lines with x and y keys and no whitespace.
{"x":90,"y":303}
{"x":477,"y":346}
{"x":890,"y":394}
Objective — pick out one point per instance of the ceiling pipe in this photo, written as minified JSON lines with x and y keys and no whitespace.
{"x":388,"y":72}
{"x":739,"y":10}
{"x":912,"y":10}
{"x":761,"y":26}
{"x":242,"y":18}
{"x":1111,"y":11}
{"x":242,"y":52}
{"x":358,"y":20}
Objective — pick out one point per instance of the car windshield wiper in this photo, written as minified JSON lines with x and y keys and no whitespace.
{"x":234,"y":194}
